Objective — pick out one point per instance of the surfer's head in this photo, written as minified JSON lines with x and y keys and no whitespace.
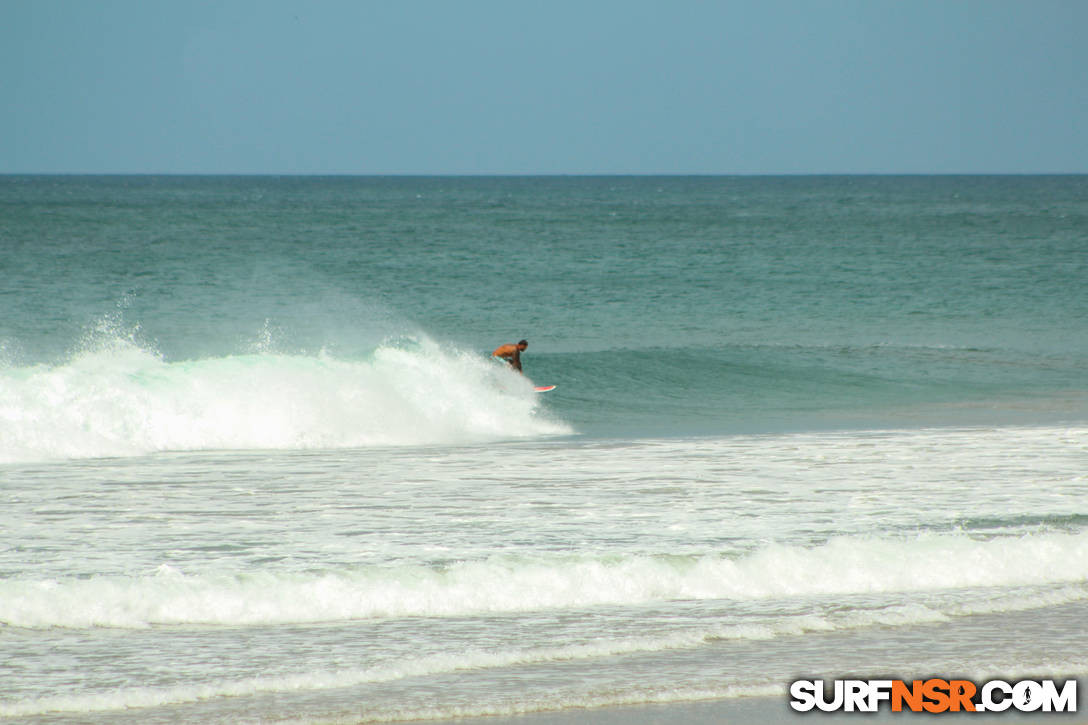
{"x":522,"y":344}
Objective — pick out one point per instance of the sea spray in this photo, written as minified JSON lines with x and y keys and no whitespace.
{"x":119,"y":398}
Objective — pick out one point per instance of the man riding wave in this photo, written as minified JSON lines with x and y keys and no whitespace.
{"x":511,"y":353}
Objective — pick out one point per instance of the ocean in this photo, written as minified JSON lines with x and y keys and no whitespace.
{"x":256,"y":464}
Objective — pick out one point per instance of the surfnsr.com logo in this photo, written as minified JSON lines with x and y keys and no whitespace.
{"x":934,"y":695}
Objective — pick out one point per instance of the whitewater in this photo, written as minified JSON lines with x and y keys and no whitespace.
{"x":418,"y":567}
{"x":120,"y":399}
{"x":256,"y":464}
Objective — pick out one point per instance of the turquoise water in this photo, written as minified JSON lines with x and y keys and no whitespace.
{"x":662,"y":305}
{"x":256,"y":464}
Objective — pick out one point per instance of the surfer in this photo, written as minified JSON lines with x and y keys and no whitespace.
{"x":511,"y":353}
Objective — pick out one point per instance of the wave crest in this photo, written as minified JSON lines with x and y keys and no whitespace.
{"x":122,"y":399}
{"x":1057,"y":562}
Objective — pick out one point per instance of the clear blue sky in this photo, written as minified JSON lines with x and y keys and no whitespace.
{"x":552,"y":87}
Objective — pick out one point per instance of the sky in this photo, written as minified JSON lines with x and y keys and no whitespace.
{"x":543,"y":87}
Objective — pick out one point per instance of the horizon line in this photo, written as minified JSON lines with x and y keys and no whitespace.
{"x":527,"y":175}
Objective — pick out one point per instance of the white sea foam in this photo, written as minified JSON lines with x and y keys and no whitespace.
{"x":121,"y":399}
{"x":845,"y":565}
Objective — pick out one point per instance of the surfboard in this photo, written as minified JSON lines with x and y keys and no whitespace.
{"x":543,"y":388}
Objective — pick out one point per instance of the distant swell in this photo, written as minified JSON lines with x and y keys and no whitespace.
{"x":122,"y":400}
{"x":845,"y":565}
